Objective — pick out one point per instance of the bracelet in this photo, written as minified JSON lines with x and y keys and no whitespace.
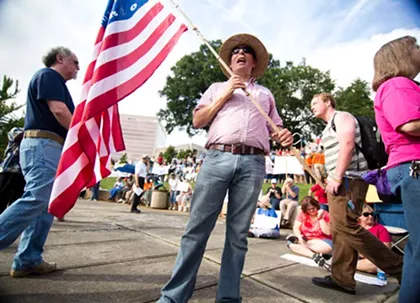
{"x":334,"y":178}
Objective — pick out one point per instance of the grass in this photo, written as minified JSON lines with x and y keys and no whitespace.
{"x":108,"y":183}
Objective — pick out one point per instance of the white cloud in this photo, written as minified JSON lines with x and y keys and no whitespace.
{"x":299,"y":29}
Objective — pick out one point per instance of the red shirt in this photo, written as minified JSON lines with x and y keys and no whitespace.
{"x":380,"y":232}
{"x":319,"y":194}
{"x":310,"y":229}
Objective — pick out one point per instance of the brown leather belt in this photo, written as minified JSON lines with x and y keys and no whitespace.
{"x":36,"y":133}
{"x":237,"y":149}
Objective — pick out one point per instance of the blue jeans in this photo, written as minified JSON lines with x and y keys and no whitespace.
{"x":39,"y":160}
{"x":172,"y":197}
{"x":95,"y":191}
{"x":408,"y":189}
{"x":242,"y":175}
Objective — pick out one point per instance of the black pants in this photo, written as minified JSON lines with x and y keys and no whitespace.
{"x":11,"y":188}
{"x":136,"y":199}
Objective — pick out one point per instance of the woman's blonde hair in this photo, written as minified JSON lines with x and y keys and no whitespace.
{"x":394,"y":59}
{"x":367,"y":207}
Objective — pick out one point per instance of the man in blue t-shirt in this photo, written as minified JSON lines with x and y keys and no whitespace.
{"x":49,"y":109}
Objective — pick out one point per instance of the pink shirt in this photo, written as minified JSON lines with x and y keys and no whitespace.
{"x":397,"y":102}
{"x":380,"y":232}
{"x":312,"y":230}
{"x":239,"y":121}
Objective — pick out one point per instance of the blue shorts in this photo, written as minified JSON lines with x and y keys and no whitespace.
{"x":328,"y":241}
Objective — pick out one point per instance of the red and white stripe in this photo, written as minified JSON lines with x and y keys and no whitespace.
{"x":126,"y":54}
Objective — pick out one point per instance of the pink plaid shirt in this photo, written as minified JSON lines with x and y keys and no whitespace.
{"x":239,"y":121}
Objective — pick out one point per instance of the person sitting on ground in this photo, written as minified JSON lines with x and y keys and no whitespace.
{"x":127,"y":187}
{"x":265,"y":222}
{"x":183,"y":199}
{"x":311,"y":232}
{"x":319,"y":194}
{"x":118,"y":186}
{"x":289,"y":204}
{"x":274,"y":194}
{"x":367,"y":221}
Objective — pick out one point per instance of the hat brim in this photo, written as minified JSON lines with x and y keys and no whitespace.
{"x":261,"y":54}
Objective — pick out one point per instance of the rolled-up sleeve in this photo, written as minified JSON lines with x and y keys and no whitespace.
{"x":206,"y":98}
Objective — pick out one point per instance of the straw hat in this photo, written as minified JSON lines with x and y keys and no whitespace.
{"x":261,"y":53}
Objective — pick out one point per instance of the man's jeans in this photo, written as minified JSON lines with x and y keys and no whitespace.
{"x":242,"y":175}
{"x":39,"y":160}
{"x":408,"y":189}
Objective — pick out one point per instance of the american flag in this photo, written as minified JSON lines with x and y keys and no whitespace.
{"x":134,"y":39}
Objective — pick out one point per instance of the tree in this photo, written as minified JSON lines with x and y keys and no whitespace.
{"x":169,"y":154}
{"x":7,"y":107}
{"x":355,"y":99}
{"x":192,"y":75}
{"x":123,"y":159}
{"x":292,"y":86}
{"x":183,"y":154}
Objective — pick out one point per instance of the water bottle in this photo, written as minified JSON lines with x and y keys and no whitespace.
{"x":381,"y":276}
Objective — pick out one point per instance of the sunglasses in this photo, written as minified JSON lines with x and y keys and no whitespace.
{"x":246,"y":49}
{"x":367,"y":214}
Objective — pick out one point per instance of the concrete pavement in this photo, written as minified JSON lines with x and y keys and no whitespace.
{"x":107,"y":254}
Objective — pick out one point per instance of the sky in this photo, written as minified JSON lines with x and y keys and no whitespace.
{"x":341,"y":36}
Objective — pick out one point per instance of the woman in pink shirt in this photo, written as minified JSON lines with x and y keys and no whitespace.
{"x":311,"y":232}
{"x":367,"y":221}
{"x":397,"y":110}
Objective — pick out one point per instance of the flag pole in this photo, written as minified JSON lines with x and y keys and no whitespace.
{"x":294,"y":151}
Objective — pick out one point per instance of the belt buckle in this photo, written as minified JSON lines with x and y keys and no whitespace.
{"x":235,"y":149}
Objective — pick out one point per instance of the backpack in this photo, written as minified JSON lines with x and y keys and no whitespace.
{"x":372,"y":147}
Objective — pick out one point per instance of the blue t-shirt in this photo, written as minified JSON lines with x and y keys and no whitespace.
{"x":46,"y":84}
{"x":294,"y":189}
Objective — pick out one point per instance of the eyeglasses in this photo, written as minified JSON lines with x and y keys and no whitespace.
{"x":367,"y":214}
{"x":247,"y":50}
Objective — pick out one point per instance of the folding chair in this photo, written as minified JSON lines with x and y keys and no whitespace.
{"x":399,"y":232}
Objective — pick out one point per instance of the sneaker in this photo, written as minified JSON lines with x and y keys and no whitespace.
{"x":327,"y":282}
{"x":185,"y":209}
{"x":180,"y":208}
{"x":321,"y":261}
{"x":43,"y":268}
{"x":136,"y":211}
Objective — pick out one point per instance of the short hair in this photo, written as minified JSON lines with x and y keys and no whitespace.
{"x":308,"y":200}
{"x":51,"y":57}
{"x":367,"y":207}
{"x":289,"y":180}
{"x":326,"y":97}
{"x":393,"y":59}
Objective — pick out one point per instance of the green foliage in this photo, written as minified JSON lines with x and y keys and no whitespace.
{"x":355,"y":99}
{"x":169,"y":154}
{"x":183,"y":154}
{"x":124,"y":158}
{"x":7,"y":107}
{"x":192,"y":75}
{"x":293,"y":87}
